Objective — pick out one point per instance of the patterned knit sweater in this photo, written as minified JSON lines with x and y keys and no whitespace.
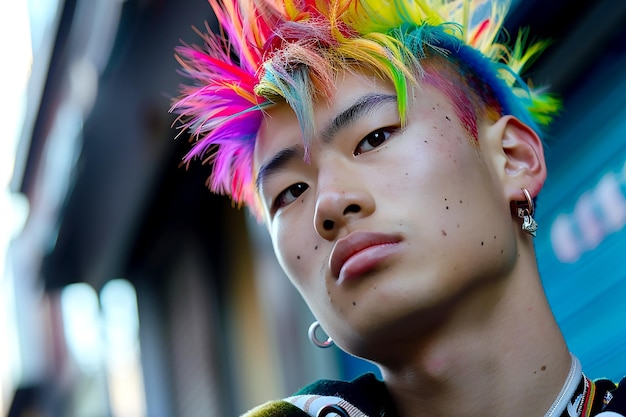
{"x":366,"y":396}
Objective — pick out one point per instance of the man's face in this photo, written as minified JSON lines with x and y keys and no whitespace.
{"x":387,"y":227}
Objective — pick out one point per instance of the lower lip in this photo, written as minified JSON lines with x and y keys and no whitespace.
{"x":366,"y":260}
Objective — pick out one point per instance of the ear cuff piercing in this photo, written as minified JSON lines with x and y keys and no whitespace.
{"x":525,"y":211}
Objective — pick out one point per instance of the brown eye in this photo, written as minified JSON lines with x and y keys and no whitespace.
{"x":289,"y":195}
{"x":373,"y":140}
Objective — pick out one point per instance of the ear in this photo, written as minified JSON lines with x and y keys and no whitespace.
{"x":519,"y":157}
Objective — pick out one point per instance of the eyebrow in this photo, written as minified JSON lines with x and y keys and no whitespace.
{"x":359,"y":109}
{"x":278,"y":162}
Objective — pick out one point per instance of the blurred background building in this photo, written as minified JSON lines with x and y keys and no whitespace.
{"x":128,"y":290}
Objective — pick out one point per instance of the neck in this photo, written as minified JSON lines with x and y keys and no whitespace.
{"x":499,"y":352}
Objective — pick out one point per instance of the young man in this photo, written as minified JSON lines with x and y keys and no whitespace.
{"x":393,"y":152}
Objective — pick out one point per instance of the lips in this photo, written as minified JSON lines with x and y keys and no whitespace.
{"x":360,"y":252}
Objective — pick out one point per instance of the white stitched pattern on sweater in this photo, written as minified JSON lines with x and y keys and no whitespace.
{"x":312,"y":404}
{"x":572,"y":408}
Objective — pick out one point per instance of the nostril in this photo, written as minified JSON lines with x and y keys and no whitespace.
{"x":328,"y":224}
{"x":352,"y":208}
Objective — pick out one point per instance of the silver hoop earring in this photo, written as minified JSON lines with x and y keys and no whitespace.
{"x":313,"y":337}
{"x":525,"y":211}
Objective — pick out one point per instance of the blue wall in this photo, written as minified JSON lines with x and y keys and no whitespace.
{"x":581,"y":243}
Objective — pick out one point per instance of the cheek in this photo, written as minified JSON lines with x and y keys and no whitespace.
{"x":295,"y":253}
{"x":437,"y":158}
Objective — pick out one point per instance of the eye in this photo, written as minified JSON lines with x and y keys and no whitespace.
{"x":289,"y":195}
{"x":373,"y":140}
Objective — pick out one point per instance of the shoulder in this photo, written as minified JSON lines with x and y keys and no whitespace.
{"x":365,"y":395}
{"x":366,"y":382}
{"x":616,"y":400}
{"x":280,"y":408}
{"x":613,"y":397}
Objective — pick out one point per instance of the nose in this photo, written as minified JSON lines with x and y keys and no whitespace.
{"x":338,"y":203}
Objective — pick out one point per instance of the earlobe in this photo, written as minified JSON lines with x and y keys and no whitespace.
{"x":522,"y":151}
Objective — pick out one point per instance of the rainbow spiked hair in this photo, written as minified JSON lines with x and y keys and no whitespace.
{"x":289,"y":51}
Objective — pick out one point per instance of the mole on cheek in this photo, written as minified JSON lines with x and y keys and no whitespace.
{"x":298,"y":257}
{"x":444,"y":233}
